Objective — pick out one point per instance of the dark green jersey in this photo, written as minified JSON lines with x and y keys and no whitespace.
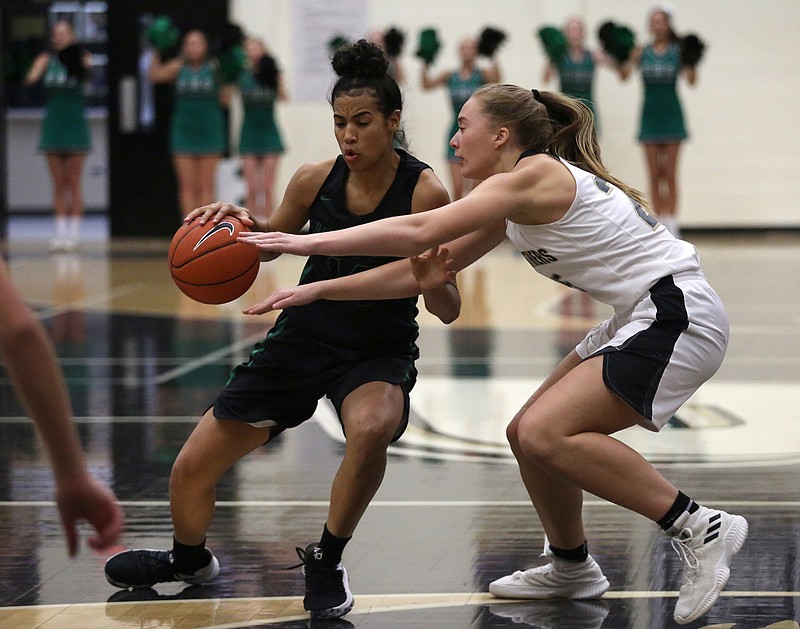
{"x":380,"y":325}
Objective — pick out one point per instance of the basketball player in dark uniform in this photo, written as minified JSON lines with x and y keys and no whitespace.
{"x":360,"y":354}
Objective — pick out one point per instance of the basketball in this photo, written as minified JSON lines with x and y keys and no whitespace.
{"x":209,"y":265}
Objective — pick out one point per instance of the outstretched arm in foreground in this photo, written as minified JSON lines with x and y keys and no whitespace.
{"x":29,"y":357}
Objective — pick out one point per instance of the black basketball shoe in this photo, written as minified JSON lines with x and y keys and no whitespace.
{"x":144,"y":568}
{"x":328,"y":592}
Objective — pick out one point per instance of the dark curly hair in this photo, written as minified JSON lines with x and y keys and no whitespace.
{"x":362,"y":67}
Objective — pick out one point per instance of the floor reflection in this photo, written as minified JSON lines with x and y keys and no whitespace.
{"x":452,"y":514}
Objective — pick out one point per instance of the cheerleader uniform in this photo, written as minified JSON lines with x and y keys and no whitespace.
{"x":259,"y":134}
{"x":198,"y":125}
{"x":662,"y":116}
{"x":669,"y":331}
{"x":64,"y":127}
{"x":576,"y":78}
{"x":460,"y":90}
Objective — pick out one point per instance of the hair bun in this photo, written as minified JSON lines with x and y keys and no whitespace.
{"x":360,"y":59}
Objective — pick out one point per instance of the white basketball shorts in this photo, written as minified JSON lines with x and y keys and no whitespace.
{"x":658,"y":353}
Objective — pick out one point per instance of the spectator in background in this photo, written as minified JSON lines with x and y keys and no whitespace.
{"x":65,"y":129}
{"x":662,"y":129}
{"x":260,"y":143}
{"x":461,"y":83}
{"x":197,"y":134}
{"x":575,"y":67}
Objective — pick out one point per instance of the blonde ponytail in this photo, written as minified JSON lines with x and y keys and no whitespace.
{"x":548,"y":121}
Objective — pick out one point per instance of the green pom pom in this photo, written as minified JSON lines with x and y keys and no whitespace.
{"x":489,"y":41}
{"x":626,"y":40}
{"x":393,"y":40}
{"x":554,"y":42}
{"x":618,"y":41}
{"x":692,"y":48}
{"x":337,"y":42}
{"x":429,"y":45}
{"x":231,"y":64}
{"x":162,"y":35}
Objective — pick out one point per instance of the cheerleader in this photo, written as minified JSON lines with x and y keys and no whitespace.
{"x":460,"y":84}
{"x":65,"y":129}
{"x":197,"y":128}
{"x":260,"y":142}
{"x":662,"y":129}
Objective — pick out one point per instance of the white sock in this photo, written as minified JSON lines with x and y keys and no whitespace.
{"x":61,"y":227}
{"x":74,"y":227}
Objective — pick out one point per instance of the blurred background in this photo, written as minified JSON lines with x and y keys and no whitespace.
{"x":736,"y":171}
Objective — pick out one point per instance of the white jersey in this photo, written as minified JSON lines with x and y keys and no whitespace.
{"x":606,"y":245}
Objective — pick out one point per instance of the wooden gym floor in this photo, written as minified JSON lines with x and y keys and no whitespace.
{"x":142,"y":363}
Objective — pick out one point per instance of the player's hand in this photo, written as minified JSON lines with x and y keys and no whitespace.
{"x":215,"y":212}
{"x":279,"y":242}
{"x":89,"y":499}
{"x":433,"y":269}
{"x":284,"y":298}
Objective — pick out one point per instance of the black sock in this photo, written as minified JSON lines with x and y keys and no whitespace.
{"x":189,"y":558}
{"x":331,"y":547}
{"x":682,"y":503}
{"x":581,"y":553}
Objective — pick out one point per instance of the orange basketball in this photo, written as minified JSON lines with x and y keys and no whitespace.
{"x":209,"y":265}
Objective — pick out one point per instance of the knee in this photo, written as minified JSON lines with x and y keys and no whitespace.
{"x":189,"y":472}
{"x":370,"y":434}
{"x":665,"y":171}
{"x":512,"y":435}
{"x":536,"y":441}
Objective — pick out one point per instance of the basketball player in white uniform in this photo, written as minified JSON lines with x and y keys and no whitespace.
{"x":545,"y":187}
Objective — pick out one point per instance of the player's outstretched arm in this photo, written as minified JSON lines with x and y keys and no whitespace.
{"x":405,"y":236}
{"x":436,"y":278}
{"x":389,"y":281}
{"x":30,"y":360}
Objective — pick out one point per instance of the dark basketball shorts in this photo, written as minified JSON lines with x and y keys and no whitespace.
{"x":658,"y":353}
{"x":290,"y":371}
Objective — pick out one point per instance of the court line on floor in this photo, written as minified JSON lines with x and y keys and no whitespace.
{"x":92,"y":301}
{"x":775,"y":504}
{"x":291,"y":606}
{"x":206,"y":359}
{"x":373,"y":604}
{"x":107,"y":419}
